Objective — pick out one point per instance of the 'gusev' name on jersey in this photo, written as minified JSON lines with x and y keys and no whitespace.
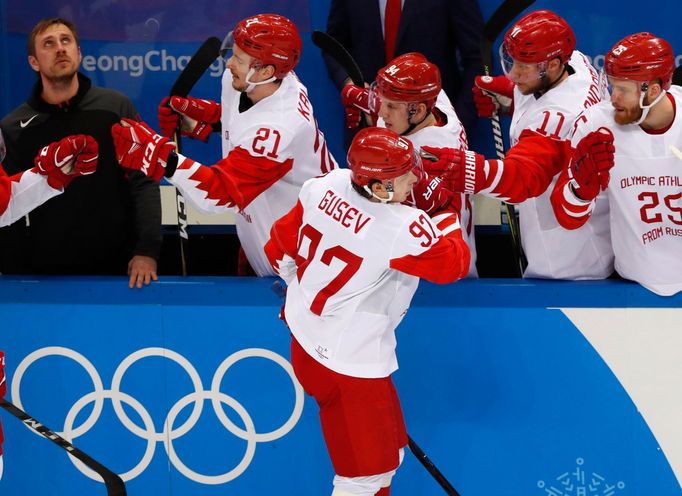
{"x":352,"y":267}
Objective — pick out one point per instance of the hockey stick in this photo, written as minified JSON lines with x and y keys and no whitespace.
{"x":332,"y":47}
{"x":195,"y":68}
{"x":432,"y":469}
{"x":279,"y":287}
{"x":113,"y":483}
{"x":500,"y":19}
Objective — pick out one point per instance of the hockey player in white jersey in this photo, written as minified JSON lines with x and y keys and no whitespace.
{"x":55,"y":167}
{"x":270,"y":139}
{"x":645,"y":186}
{"x":547,"y":83}
{"x":407,"y":97}
{"x":352,"y":256}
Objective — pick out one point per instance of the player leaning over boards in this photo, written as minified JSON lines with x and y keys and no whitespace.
{"x":271,"y":142}
{"x":352,"y":256}
{"x":547,"y":83}
{"x":56,"y":165}
{"x":407,"y":97}
{"x":645,"y":189}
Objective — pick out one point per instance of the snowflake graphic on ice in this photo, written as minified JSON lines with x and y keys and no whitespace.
{"x":579,"y":483}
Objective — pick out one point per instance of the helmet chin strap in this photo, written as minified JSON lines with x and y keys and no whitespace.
{"x":647,"y":108}
{"x":546,"y":84}
{"x":412,"y":110}
{"x":253,"y":84}
{"x":389,"y":190}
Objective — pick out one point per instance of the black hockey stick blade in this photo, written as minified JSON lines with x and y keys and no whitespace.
{"x":500,"y":19}
{"x":431,"y":468}
{"x":113,"y":483}
{"x":332,"y":47}
{"x":195,"y":68}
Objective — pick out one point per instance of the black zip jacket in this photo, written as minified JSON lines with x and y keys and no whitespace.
{"x":101,"y":220}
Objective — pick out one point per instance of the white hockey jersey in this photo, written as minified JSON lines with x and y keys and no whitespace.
{"x":270,"y":150}
{"x":357,"y":267}
{"x":21,"y":193}
{"x":452,"y":135}
{"x":645,"y":197}
{"x":552,"y":251}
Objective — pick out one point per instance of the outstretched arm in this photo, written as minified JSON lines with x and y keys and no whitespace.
{"x":235,"y":180}
{"x":526,"y":171}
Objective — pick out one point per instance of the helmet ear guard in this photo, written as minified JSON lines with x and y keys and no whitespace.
{"x":379,"y":154}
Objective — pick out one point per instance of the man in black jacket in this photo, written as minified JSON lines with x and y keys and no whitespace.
{"x":106,"y":223}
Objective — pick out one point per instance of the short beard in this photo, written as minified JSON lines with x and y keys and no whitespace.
{"x":61,"y":80}
{"x":628,"y":116}
{"x":631,"y":115}
{"x":240,"y":88}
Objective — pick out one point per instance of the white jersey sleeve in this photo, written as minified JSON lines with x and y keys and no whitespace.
{"x":21,"y":193}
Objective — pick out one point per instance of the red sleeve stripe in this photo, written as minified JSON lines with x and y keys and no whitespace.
{"x":494,"y":168}
{"x":574,"y":206}
{"x":447,"y":222}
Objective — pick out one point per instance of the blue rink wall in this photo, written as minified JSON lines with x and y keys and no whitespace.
{"x":514,"y":388}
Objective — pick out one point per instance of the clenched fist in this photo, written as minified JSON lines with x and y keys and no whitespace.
{"x":138,"y":147}
{"x":63,"y":160}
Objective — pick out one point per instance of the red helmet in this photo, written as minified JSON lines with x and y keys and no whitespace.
{"x":641,"y":57}
{"x":410,"y":78}
{"x":538,"y":37}
{"x":272,"y":39}
{"x":381,"y":154}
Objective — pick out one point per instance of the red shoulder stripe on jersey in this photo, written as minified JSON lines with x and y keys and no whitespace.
{"x":446,"y":261}
{"x":571,"y":212}
{"x":238,"y":178}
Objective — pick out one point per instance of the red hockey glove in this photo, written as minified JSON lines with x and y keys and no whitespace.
{"x":430,"y":194}
{"x":493,"y":94}
{"x":63,"y":160}
{"x":169,"y":121}
{"x":138,"y":147}
{"x":591,"y":164}
{"x":356,"y":100}
{"x":198,"y":116}
{"x":461,"y":170}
